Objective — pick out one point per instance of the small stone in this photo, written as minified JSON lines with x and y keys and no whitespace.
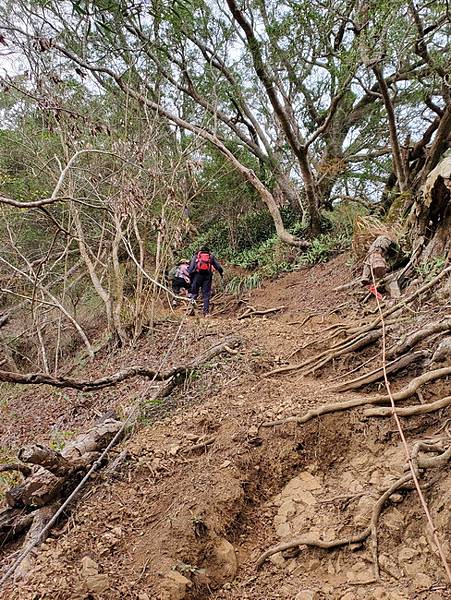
{"x":422,"y":581}
{"x":390,"y":566}
{"x":175,"y":586}
{"x":89,"y":566}
{"x":356,"y":547}
{"x":394,"y":519}
{"x":363,"y":511}
{"x":380,"y":594}
{"x":327,"y":589}
{"x":173,"y":450}
{"x":97,"y":583}
{"x":277,"y":559}
{"x":225,"y":464}
{"x":415,"y":567}
{"x":287,"y":509}
{"x":192,"y":437}
{"x":305,"y":497}
{"x":396,"y":498}
{"x":306,"y":595}
{"x":283,"y":530}
{"x":406,"y":554}
{"x":277,"y":500}
{"x":253,"y":431}
{"x":423,"y":541}
{"x":312,"y":565}
{"x":279,"y":520}
{"x":309,"y":481}
{"x":225,"y":563}
{"x":348,"y":596}
{"x":143,"y":596}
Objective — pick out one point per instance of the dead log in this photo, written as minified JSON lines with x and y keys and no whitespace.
{"x":375,"y":261}
{"x":55,"y":469}
{"x":94,"y":440}
{"x":55,"y":474}
{"x":36,"y":535}
{"x":45,"y":457}
{"x":13,"y":521}
{"x":35,"y":491}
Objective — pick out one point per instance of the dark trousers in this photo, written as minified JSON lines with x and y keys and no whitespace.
{"x":202,"y":281}
{"x":178,"y":283}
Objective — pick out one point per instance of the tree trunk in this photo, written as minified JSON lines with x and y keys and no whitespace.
{"x":429,"y":223}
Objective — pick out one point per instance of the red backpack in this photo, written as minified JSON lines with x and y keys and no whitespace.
{"x":203,"y":262}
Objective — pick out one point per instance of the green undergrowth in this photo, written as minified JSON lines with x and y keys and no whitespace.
{"x":272,"y":258}
{"x":253,"y":245}
{"x":431,"y":268}
{"x":7,"y":479}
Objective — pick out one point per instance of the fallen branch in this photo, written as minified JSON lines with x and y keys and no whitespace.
{"x":252,"y":312}
{"x":124,"y":374}
{"x":199,"y":446}
{"x":409,"y":411}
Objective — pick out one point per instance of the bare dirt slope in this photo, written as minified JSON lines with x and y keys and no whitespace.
{"x":205,"y":489}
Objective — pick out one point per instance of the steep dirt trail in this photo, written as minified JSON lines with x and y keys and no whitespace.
{"x":205,"y":490}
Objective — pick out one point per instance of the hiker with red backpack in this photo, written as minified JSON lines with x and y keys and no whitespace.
{"x":201,"y":270}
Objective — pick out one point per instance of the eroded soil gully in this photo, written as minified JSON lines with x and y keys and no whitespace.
{"x":328,"y":491}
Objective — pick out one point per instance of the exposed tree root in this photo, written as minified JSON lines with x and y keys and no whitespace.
{"x":402,"y":303}
{"x":348,"y":404}
{"x":396,"y":365}
{"x":419,"y":461}
{"x":409,"y":411}
{"x":325,"y":357}
{"x":415,"y":384}
{"x":307,"y":540}
{"x":128,"y":373}
{"x":326,"y":409}
{"x":412,"y":339}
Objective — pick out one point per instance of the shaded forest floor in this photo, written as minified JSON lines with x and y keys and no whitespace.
{"x":205,"y":490}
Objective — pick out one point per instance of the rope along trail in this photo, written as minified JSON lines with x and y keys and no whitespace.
{"x":26,"y":551}
{"x":404,"y":441}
